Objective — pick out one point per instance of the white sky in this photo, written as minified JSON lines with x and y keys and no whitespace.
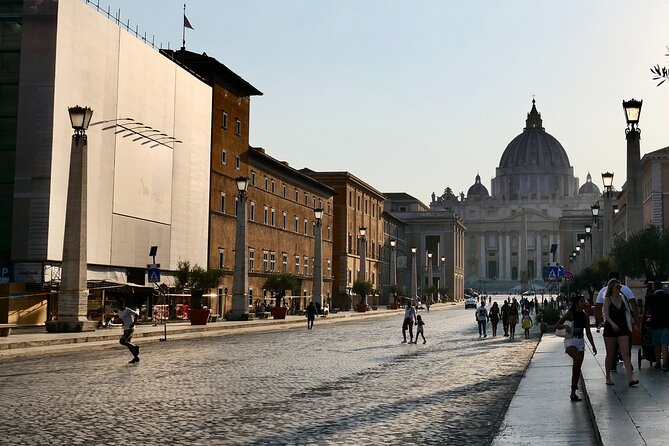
{"x":416,"y":96}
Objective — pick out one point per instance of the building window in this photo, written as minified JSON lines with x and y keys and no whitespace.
{"x":253,"y":178}
{"x":358,"y":202}
{"x":265,"y":217}
{"x":297,"y":224}
{"x":306,"y":265}
{"x":297,"y":264}
{"x":223,"y":202}
{"x":221,"y":258}
{"x":306,"y":198}
{"x":350,"y":244}
{"x":271,"y":221}
{"x":253,"y":211}
{"x":236,"y":205}
{"x":284,"y":262}
{"x":266,"y":183}
{"x":366,"y":206}
{"x":265,"y":261}
{"x":238,"y":127}
{"x":285,"y":191}
{"x":225,"y":120}
{"x":252,"y":254}
{"x":329,"y":207}
{"x":328,"y":268}
{"x":350,"y":198}
{"x":329,"y":233}
{"x":272,"y":261}
{"x":224,"y":156}
{"x":285,"y":220}
{"x":305,"y":226}
{"x":273,"y":187}
{"x":297,"y":196}
{"x":238,"y":162}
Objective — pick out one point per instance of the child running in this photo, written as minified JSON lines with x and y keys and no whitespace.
{"x":419,"y":330}
{"x":526,"y":323}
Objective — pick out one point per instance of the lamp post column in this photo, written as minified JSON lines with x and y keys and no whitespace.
{"x":414,"y":279}
{"x":393,"y":267}
{"x":73,"y":296}
{"x":240,"y":284}
{"x":634,"y":212}
{"x":318,"y":259}
{"x":362,"y":277}
{"x":429,"y":273}
{"x":443,"y":284}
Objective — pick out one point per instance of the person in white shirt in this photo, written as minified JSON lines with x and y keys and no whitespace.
{"x":482,"y":318}
{"x":129,"y":317}
{"x":409,"y":319}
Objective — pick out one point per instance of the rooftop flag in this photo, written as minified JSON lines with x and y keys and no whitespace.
{"x":187,"y":23}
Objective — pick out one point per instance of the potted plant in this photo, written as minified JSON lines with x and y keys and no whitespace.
{"x":395,"y":290}
{"x":278,"y":284}
{"x":362,"y":289}
{"x":197,"y":279}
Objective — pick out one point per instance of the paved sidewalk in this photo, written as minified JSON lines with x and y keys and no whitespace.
{"x":541,"y":411}
{"x":36,"y":341}
{"x":622,"y":414}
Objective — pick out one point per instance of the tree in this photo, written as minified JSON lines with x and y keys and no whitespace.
{"x":592,"y":277}
{"x":279,"y":283}
{"x":396,"y":290}
{"x":660,"y":73}
{"x":644,"y":254}
{"x":196,"y":279}
{"x":362,"y":289}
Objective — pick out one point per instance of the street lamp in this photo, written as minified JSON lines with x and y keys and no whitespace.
{"x":414,"y":282}
{"x":595,"y":213}
{"x":588,"y":229}
{"x":607,"y":179}
{"x":581,"y":238}
{"x":317,"y":289}
{"x":240,"y":284}
{"x":443,"y":264}
{"x":393,"y":266}
{"x":632,"y":110}
{"x":634,"y":205}
{"x":362,"y":277}
{"x":429,"y":272}
{"x":73,"y":296}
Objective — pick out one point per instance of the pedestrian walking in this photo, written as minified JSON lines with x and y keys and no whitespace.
{"x":574,"y":346}
{"x":494,"y":318}
{"x":409,"y":319}
{"x":513,"y":318}
{"x":657,"y":306}
{"x":311,"y":315}
{"x":128,"y":317}
{"x":427,"y":307}
{"x":526,"y":323}
{"x":505,"y":316}
{"x":482,"y":318}
{"x":419,"y":329}
{"x":618,"y":323}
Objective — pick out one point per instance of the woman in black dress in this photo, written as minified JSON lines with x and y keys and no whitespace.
{"x":513,"y":318}
{"x":617,"y":329}
{"x":574,"y":345}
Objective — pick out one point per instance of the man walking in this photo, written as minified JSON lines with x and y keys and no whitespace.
{"x":482,"y":318}
{"x":129,"y":317}
{"x":505,"y":317}
{"x":409,"y":319}
{"x":311,"y":315}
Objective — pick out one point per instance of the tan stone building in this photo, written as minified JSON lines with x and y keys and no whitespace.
{"x":356,"y":205}
{"x":281,"y":200}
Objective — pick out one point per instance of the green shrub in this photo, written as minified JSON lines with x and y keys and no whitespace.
{"x":550,"y":315}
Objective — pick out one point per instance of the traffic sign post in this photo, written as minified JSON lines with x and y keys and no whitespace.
{"x":568,"y":277}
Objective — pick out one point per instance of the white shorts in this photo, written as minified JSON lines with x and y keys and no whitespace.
{"x":579,"y":343}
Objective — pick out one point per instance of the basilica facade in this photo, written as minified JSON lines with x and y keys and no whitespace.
{"x":512,"y":228}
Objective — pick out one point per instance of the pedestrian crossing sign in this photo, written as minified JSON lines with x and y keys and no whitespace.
{"x":154,"y":273}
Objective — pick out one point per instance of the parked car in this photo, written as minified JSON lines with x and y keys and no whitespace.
{"x":470,"y":301}
{"x":528,"y":293}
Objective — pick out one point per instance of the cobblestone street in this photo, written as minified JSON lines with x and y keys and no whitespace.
{"x":345,"y":383}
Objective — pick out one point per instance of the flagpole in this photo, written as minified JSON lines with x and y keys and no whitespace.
{"x":183,"y":44}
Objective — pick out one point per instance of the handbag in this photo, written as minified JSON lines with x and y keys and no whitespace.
{"x":562,"y":332}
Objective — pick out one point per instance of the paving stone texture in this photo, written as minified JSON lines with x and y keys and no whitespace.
{"x":348,"y":383}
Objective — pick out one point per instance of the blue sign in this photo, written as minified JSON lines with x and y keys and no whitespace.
{"x":5,"y":272}
{"x":554,"y":272}
{"x":154,"y":274}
